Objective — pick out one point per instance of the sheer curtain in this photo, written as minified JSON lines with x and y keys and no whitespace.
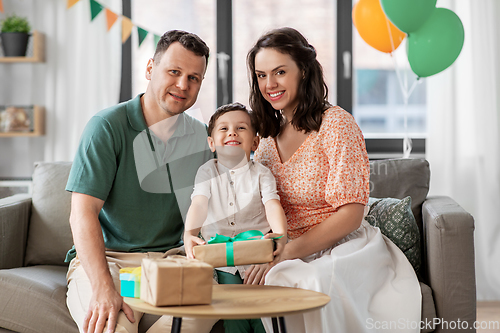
{"x":463,"y":147}
{"x":83,"y":68}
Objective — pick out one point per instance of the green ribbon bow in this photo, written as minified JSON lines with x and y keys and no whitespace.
{"x":243,"y":236}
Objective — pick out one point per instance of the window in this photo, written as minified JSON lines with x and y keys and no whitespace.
{"x":197,"y":16}
{"x":378,"y":104}
{"x":365,"y":83}
{"x":252,"y":18}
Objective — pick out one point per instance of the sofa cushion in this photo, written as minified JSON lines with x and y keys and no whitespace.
{"x":14,"y":219}
{"x":428,"y":309}
{"x":33,"y":300}
{"x":399,"y":178}
{"x":396,"y":221}
{"x":49,"y":235}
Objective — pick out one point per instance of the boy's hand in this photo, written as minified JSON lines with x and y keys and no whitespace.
{"x":256,"y":274}
{"x":191,"y":241}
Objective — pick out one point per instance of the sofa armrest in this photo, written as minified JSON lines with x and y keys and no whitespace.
{"x":15,"y":212}
{"x":448,"y":232}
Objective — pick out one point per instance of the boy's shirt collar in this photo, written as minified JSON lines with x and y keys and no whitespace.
{"x":223,"y":169}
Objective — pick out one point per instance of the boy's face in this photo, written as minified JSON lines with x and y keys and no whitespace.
{"x":233,"y":134}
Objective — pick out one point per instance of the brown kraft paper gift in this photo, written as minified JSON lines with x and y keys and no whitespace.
{"x":244,"y":252}
{"x":176,"y":280}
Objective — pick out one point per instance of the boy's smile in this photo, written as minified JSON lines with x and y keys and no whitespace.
{"x":233,"y":137}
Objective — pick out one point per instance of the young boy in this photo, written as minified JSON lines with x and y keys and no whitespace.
{"x":233,"y":194}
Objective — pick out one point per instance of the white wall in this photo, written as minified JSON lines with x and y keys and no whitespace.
{"x":80,"y":76}
{"x":21,"y":84}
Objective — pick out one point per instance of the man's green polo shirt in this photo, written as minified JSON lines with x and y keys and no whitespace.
{"x":134,"y":218}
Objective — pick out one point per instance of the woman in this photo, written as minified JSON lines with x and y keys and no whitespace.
{"x":318,"y":157}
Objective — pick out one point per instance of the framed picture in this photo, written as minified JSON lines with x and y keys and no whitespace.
{"x":21,"y":120}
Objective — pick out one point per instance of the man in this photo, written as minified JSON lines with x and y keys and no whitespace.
{"x":117,"y":219}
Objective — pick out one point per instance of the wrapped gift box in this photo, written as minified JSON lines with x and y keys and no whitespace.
{"x":176,"y":280}
{"x":243,"y":253}
{"x":130,"y":282}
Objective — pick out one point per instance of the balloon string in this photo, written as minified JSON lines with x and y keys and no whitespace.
{"x":414,"y":85}
{"x":398,"y":75}
{"x":407,"y":143}
{"x":390,"y":34}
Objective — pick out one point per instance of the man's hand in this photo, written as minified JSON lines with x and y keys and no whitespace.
{"x":105,"y":306}
{"x":106,"y":302}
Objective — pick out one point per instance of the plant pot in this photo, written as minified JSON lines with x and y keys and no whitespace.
{"x":14,"y":44}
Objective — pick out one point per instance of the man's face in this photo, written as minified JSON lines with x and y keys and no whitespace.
{"x":176,"y":79}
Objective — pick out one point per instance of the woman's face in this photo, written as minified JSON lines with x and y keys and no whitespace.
{"x":278,"y":76}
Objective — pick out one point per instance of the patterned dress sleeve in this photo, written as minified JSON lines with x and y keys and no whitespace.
{"x":349,"y":168}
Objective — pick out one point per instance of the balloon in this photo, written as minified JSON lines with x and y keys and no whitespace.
{"x":408,"y":15}
{"x":372,"y":24}
{"x":437,"y":44}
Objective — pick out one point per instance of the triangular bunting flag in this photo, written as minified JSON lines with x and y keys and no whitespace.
{"x":157,"y":39}
{"x":142,"y":35}
{"x":70,"y":3}
{"x":110,"y":18}
{"x":127,"y":26}
{"x":95,"y":9}
{"x":1,"y":6}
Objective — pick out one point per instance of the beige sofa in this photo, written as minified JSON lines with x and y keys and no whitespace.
{"x":35,"y":235}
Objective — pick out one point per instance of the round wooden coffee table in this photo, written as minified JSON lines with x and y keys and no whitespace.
{"x":241,"y":301}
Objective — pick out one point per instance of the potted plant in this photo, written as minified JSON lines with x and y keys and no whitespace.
{"x":14,"y":31}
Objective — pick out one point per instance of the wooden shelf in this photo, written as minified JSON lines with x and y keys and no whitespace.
{"x":38,"y":125}
{"x":38,"y":51}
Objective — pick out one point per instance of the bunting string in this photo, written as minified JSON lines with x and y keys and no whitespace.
{"x":111,"y":17}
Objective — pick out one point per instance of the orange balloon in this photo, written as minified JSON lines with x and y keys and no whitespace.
{"x":372,"y":25}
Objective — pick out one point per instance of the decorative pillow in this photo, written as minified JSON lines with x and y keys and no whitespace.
{"x":49,"y":235}
{"x":396,"y":221}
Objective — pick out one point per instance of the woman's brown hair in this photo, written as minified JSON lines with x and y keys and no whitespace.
{"x":312,"y":92}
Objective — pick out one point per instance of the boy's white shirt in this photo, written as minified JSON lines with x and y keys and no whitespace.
{"x":236,"y":199}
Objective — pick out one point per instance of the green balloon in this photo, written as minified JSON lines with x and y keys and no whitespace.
{"x":408,"y":15}
{"x":437,"y":44}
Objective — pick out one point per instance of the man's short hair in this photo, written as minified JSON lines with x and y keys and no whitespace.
{"x":188,"y":40}
{"x":236,"y":106}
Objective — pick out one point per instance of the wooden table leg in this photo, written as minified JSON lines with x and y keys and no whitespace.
{"x":282,"y":324}
{"x":176,"y":325}
{"x":275,"y":325}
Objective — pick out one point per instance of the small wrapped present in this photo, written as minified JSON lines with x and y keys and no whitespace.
{"x":130,"y":282}
{"x":246,"y":248}
{"x":176,"y":280}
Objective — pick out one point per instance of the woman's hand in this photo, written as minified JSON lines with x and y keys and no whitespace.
{"x":256,"y":274}
{"x":191,"y":241}
{"x":280,"y":246}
